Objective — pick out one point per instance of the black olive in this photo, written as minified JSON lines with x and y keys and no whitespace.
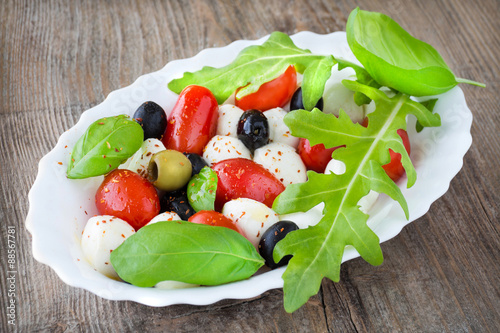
{"x":271,"y":237}
{"x":153,"y":120}
{"x":296,"y":101}
{"x":253,"y":129}
{"x":177,"y":201}
{"x":197,"y":162}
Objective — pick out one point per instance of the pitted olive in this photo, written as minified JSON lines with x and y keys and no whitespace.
{"x":271,"y":237}
{"x":169,"y":170}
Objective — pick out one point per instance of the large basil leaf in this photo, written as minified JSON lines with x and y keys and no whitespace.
{"x":105,"y":145}
{"x":185,"y":252}
{"x":396,"y":59}
{"x":201,"y":190}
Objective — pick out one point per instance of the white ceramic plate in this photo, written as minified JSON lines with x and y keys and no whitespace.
{"x":59,"y":207}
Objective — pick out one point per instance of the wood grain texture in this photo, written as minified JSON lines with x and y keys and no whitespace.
{"x":59,"y":58}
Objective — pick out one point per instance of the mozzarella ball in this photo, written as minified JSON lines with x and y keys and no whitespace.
{"x":167,"y":216}
{"x":253,"y":218}
{"x":335,"y":166}
{"x":283,"y":162}
{"x":336,"y":96}
{"x":229,"y":115}
{"x":278,"y":131}
{"x":221,"y":148}
{"x":140,"y":160}
{"x":101,"y":236}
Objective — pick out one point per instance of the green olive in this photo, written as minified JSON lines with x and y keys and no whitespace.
{"x":169,"y":170}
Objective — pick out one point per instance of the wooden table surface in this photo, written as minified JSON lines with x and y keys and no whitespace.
{"x":59,"y":58}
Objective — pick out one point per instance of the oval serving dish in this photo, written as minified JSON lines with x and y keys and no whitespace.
{"x":60,"y":207}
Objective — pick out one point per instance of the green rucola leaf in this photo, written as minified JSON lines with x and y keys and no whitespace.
{"x":362,"y":76}
{"x":256,"y":65}
{"x":429,"y":104}
{"x":185,"y":252}
{"x":396,"y":59}
{"x":313,"y":83}
{"x":317,"y":251}
{"x":201,"y":190}
{"x":106,"y":144}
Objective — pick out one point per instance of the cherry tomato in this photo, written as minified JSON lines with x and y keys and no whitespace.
{"x":243,"y":178}
{"x":316,"y":157}
{"x":273,"y":94}
{"x":210,"y":217}
{"x":394,"y":168}
{"x":192,"y":122}
{"x":128,"y":196}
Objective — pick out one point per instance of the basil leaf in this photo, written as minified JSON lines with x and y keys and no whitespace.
{"x":201,"y":190}
{"x":185,"y":252}
{"x":430,"y":106}
{"x":105,"y":145}
{"x":396,"y":59}
{"x":254,"y":66}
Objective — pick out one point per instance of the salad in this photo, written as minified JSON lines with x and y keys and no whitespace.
{"x":245,"y":169}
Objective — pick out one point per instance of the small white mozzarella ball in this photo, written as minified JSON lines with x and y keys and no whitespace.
{"x":101,"y":236}
{"x":174,"y":285}
{"x":335,"y":166}
{"x":167,"y":216}
{"x":140,"y":160}
{"x":278,"y":131}
{"x":221,"y":148}
{"x":336,"y":96}
{"x":253,"y":218}
{"x":305,"y":219}
{"x":366,"y":202}
{"x":229,"y":115}
{"x":283,"y":162}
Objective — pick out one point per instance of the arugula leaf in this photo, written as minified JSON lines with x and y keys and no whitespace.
{"x":362,"y":76}
{"x":106,"y":144}
{"x":201,"y":190}
{"x":317,"y":251}
{"x":396,"y":59}
{"x":429,"y":104}
{"x":314,"y":80}
{"x":258,"y":64}
{"x":185,"y":252}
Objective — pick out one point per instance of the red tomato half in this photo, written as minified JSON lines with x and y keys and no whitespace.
{"x":316,"y":157}
{"x":192,"y":122}
{"x":242,"y":178}
{"x":210,"y":217}
{"x":128,"y":196}
{"x":394,"y":168}
{"x":273,"y":94}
